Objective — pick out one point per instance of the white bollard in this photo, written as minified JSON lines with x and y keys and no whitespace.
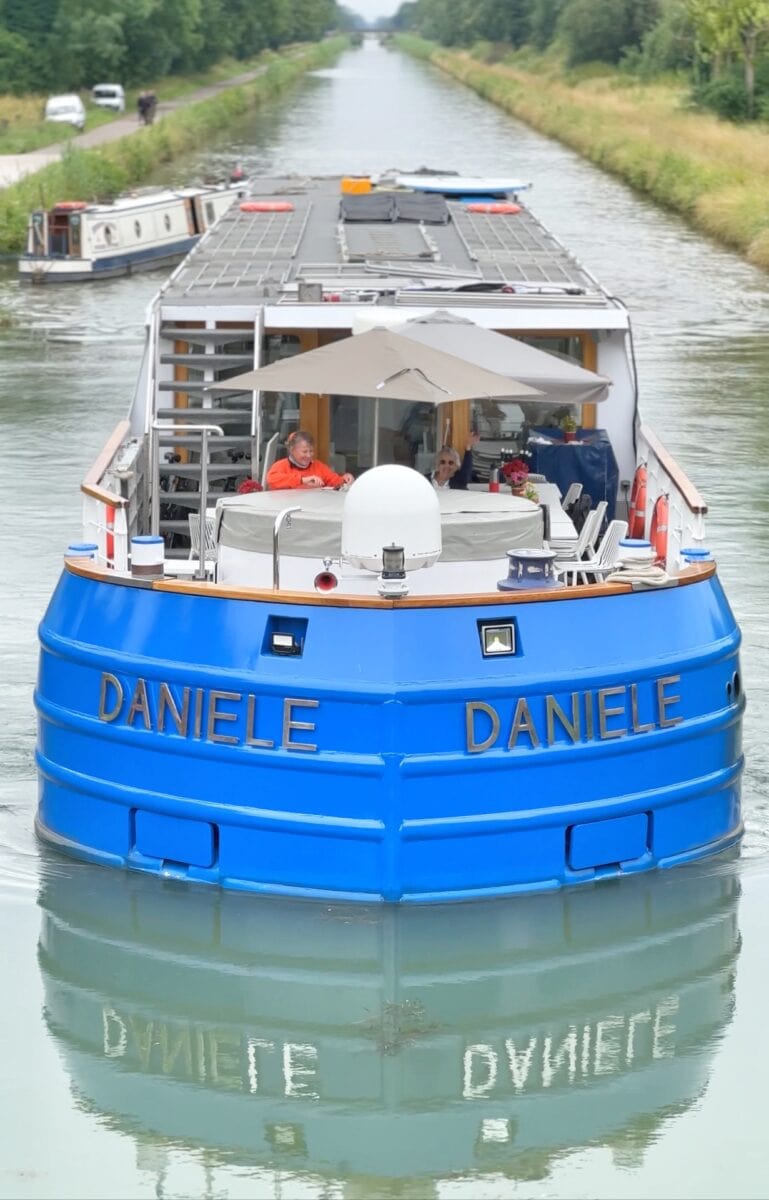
{"x":147,"y":554}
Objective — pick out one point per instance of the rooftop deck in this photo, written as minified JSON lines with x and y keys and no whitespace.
{"x":276,"y":257}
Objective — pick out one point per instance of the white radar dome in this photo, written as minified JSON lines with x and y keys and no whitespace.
{"x":391,"y":506}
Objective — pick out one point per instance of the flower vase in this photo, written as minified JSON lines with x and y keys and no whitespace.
{"x":518,"y":489}
{"x":570,"y":435}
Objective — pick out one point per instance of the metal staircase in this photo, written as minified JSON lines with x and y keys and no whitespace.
{"x":189,"y":360}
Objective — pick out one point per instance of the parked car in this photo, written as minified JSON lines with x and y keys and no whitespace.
{"x":66,"y":110}
{"x":109,"y":95}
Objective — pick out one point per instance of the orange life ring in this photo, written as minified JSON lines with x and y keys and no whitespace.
{"x":659,"y":530}
{"x":70,"y":205}
{"x":267,"y":206}
{"x":636,"y":515}
{"x":493,"y":208}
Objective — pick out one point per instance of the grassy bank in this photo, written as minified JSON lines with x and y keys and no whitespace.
{"x":111,"y":169}
{"x":714,"y":173}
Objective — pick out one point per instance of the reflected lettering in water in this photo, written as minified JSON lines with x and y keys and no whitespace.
{"x":385,"y":1044}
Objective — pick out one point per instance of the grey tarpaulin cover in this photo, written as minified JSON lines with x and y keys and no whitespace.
{"x":474,"y":525}
{"x":394,"y":206}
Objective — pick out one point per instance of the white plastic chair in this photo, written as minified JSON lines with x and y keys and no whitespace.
{"x":598,"y":514}
{"x":193,"y":520}
{"x":573,"y":492}
{"x":585,"y":538}
{"x":603,"y":562}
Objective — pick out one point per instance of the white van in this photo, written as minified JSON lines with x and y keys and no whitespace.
{"x":109,"y":95}
{"x":67,"y":110}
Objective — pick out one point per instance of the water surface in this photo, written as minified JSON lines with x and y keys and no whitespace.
{"x":159,"y":1040}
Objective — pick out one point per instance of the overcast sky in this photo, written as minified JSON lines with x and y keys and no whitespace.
{"x":369,"y":9}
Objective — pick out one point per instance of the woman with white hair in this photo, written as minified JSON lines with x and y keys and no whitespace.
{"x":451,"y":471}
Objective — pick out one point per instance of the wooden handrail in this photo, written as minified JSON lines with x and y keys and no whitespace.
{"x":100,"y":493}
{"x":687,"y":489}
{"x":695,"y":573}
{"x":106,"y":454}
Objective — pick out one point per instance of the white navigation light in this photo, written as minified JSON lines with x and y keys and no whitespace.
{"x":391,"y":506}
{"x":392,"y":581}
{"x":497,"y":639}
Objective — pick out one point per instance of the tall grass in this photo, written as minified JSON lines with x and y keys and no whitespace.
{"x":713,"y":172}
{"x":110,"y":169}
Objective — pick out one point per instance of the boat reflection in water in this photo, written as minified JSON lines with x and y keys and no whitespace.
{"x":386,"y":1048}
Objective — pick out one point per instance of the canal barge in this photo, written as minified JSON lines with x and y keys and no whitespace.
{"x":394,"y":691}
{"x":75,"y":240}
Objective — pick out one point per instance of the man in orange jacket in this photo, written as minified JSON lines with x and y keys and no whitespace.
{"x":301,"y":469}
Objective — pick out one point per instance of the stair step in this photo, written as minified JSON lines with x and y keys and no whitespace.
{"x":191,"y":500}
{"x":215,"y":470}
{"x":191,"y":441}
{"x":193,"y":359}
{"x":174,"y":527}
{"x":196,"y":386}
{"x":205,"y":416}
{"x":207,"y":337}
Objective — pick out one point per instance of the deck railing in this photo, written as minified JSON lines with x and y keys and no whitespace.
{"x":686,"y":507}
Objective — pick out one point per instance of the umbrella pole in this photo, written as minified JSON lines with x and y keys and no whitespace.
{"x":375,"y":450}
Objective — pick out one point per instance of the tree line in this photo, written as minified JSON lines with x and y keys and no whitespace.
{"x":65,"y":45}
{"x":723,"y":45}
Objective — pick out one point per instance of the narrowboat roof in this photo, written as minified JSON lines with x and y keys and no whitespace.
{"x":142,"y":198}
{"x":300,"y":240}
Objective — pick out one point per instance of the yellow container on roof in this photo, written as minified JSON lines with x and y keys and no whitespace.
{"x":356,"y":185}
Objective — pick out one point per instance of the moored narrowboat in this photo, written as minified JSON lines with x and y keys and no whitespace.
{"x":76,"y":240}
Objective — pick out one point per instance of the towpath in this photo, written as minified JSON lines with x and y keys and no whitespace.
{"x":14,"y":167}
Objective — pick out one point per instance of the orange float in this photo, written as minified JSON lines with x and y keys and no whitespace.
{"x":493,"y":208}
{"x":659,"y":530}
{"x":70,"y":205}
{"x":269,"y":206}
{"x":636,"y":517}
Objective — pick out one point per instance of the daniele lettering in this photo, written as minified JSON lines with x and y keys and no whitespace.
{"x":205,"y":714}
{"x":610,"y":712}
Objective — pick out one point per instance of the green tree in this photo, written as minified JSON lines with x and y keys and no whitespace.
{"x":603,"y":30}
{"x":732,"y":28}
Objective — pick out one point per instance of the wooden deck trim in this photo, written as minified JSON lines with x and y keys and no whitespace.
{"x":98,"y":493}
{"x":696,"y":573}
{"x":107,"y":453}
{"x":90,"y":485}
{"x":687,"y":489}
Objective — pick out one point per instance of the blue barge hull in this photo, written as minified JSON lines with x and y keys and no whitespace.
{"x":174,"y":740}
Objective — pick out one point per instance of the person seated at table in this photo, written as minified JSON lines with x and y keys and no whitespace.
{"x":451,"y":471}
{"x":301,"y":469}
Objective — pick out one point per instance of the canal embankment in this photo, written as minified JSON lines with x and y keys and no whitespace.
{"x":712,"y":172}
{"x":120,"y":155}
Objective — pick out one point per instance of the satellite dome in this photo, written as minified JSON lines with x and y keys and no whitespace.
{"x":391,"y":506}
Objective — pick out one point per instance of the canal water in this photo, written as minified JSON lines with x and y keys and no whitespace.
{"x":156,"y":1040}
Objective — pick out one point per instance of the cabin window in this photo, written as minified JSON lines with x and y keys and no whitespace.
{"x":167,"y":221}
{"x":280,"y":410}
{"x":503,"y":422}
{"x":138,"y":228}
{"x":210,"y":212}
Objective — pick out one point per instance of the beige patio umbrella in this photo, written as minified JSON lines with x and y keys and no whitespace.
{"x":384,"y":366}
{"x":560,"y":381}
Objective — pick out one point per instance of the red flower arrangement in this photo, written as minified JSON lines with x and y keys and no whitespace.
{"x":250,"y":485}
{"x":516,"y":472}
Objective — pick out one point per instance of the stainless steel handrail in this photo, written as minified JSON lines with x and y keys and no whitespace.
{"x":283,"y":515}
{"x":204,"y":431}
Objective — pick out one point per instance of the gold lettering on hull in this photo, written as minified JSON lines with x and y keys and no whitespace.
{"x":612,"y":712}
{"x":207,"y":715}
